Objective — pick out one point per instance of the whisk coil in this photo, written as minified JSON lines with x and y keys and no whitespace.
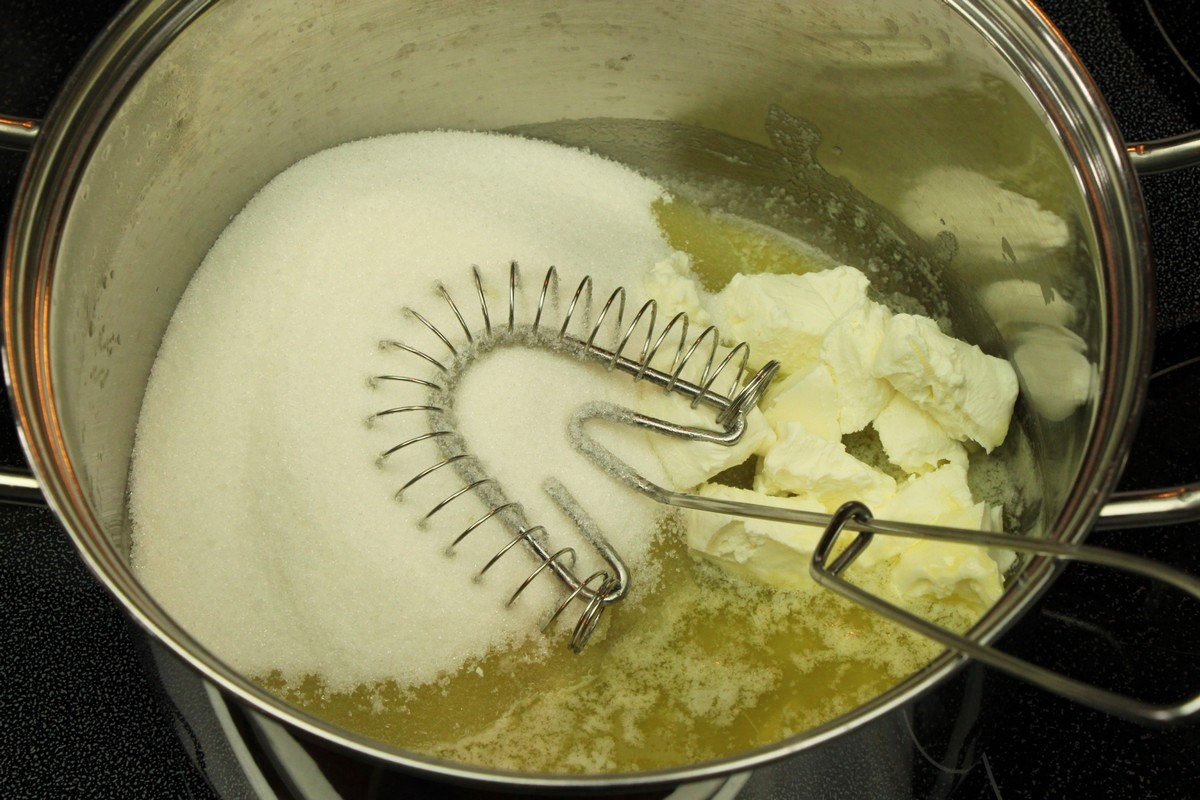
{"x":607,"y":586}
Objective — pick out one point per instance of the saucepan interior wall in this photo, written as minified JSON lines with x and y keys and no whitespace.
{"x":909,"y":102}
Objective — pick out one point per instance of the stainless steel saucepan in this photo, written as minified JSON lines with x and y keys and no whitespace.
{"x":185,"y":108}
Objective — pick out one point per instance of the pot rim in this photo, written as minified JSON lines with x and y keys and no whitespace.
{"x":1034,"y":49}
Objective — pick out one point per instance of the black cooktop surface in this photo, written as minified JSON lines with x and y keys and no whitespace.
{"x":78,"y":717}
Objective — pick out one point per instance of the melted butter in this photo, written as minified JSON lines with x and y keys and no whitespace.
{"x":721,"y":245}
{"x":699,"y":667}
{"x":695,"y":665}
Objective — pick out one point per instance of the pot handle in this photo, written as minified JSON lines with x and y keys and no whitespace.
{"x":16,"y":485}
{"x":1165,"y":155}
{"x":20,"y":487}
{"x":1145,"y":508}
{"x":1170,"y":505}
{"x":18,"y":133}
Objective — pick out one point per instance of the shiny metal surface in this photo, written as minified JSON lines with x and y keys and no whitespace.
{"x":1165,"y":155}
{"x":186,"y":108}
{"x":20,"y":487}
{"x":18,"y":133}
{"x":1162,"y":506}
{"x":856,"y":516}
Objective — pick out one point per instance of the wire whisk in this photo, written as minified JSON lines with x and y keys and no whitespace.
{"x":699,"y":368}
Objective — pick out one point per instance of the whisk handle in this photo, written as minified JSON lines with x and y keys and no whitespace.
{"x":1171,"y":505}
{"x":858,"y":516}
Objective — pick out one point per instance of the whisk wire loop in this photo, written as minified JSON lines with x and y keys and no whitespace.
{"x":464,"y":490}
{"x":492,"y":512}
{"x":375,"y":379}
{"x":522,"y":535}
{"x":558,"y":556}
{"x":400,"y":410}
{"x":428,"y":471}
{"x":681,"y":320}
{"x":436,"y":331}
{"x":600,"y":575}
{"x":421,"y":438}
{"x":419,"y":353}
{"x":441,"y":289}
{"x":713,"y":336}
{"x":584,"y":285}
{"x":618,"y":296}
{"x":586,"y":624}
{"x":513,"y":279}
{"x":483,"y":306}
{"x":551,"y":280}
{"x":650,"y":306}
{"x":740,"y":348}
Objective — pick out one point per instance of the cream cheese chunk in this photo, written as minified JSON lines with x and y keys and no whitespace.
{"x":774,"y":553}
{"x":673,"y":286}
{"x":939,"y":570}
{"x":804,"y":464}
{"x":778,"y":553}
{"x":849,"y":350}
{"x":942,"y":571}
{"x":969,"y":393}
{"x":809,"y":397}
{"x":786,"y":317}
{"x":913,"y":440}
{"x":941,"y":497}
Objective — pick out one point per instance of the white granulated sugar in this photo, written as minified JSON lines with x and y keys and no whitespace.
{"x":515,"y":406}
{"x":261,"y":520}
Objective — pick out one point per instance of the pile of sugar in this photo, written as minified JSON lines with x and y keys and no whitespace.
{"x":261,"y":521}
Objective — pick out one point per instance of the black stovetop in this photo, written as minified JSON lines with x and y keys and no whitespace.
{"x":78,"y":717}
